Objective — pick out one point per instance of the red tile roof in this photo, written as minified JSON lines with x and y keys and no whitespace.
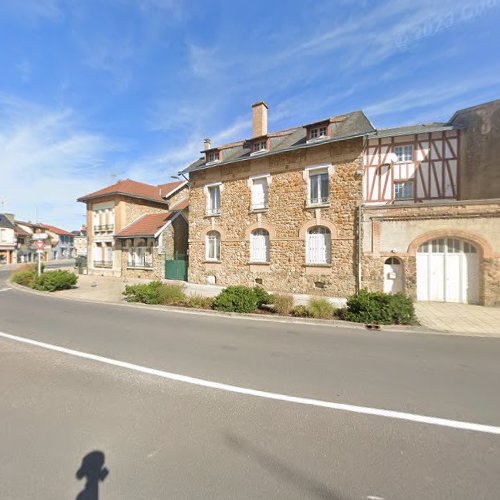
{"x":135,"y":189}
{"x":55,"y":229}
{"x":147,"y":225}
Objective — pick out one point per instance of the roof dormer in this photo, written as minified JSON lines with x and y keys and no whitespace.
{"x":260,"y":145}
{"x":212,"y":155}
{"x":318,"y":131}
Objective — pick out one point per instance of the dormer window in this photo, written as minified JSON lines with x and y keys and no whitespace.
{"x":213,"y":156}
{"x":259,"y":146}
{"x":319,"y":132}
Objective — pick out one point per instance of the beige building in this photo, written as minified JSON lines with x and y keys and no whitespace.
{"x":8,"y":240}
{"x":133,"y":227}
{"x":336,"y":205}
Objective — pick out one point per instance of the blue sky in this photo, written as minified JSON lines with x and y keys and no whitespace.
{"x":96,"y":90}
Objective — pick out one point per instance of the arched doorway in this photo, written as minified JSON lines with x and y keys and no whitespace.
{"x":448,"y":271}
{"x":393,"y":275}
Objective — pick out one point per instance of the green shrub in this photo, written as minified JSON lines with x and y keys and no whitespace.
{"x":283,"y":303}
{"x":301,"y":312}
{"x":236,"y":299}
{"x":147,"y":293}
{"x":263,"y":297}
{"x":52,"y":281}
{"x":379,"y":307}
{"x":199,"y":302}
{"x":24,"y":277}
{"x":321,"y":308}
{"x":171,"y":294}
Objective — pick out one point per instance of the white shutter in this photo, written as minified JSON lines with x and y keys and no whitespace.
{"x":318,"y":246}
{"x":259,"y":246}
{"x":259,"y":193}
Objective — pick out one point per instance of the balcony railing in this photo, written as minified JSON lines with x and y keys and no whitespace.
{"x":140,"y":258}
{"x":104,"y":228}
{"x":319,"y":201}
{"x":213,"y":211}
{"x":103,"y":263}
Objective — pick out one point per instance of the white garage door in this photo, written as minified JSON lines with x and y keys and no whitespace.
{"x":448,"y":271}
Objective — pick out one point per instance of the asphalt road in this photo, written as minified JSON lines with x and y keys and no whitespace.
{"x":160,"y":438}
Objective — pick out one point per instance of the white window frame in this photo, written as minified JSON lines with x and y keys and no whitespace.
{"x":404,"y":185}
{"x":260,"y":253}
{"x":315,"y":178}
{"x":259,"y":147}
{"x":213,"y":242}
{"x":313,"y":254}
{"x":403,"y":153}
{"x":317,"y":133}
{"x":213,"y":156}
{"x":208,"y":189}
{"x":251,"y":183}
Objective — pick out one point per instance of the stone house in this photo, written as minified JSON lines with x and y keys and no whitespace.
{"x":279,"y":209}
{"x":61,"y":242}
{"x":336,"y":205}
{"x":132,"y":227}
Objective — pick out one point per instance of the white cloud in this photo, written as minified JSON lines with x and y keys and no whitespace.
{"x":47,"y":161}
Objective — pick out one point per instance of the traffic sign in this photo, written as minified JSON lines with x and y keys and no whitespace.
{"x":40,"y":244}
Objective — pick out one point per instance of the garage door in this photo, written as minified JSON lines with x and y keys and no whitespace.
{"x":448,"y":271}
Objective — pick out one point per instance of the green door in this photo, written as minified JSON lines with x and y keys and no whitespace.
{"x":176,"y":268}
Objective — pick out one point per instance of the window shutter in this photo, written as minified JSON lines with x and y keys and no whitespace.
{"x":259,"y":193}
{"x":319,"y":246}
{"x":259,"y":246}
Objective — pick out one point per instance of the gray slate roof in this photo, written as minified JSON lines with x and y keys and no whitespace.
{"x":412,"y":129}
{"x":352,"y":125}
{"x":6,"y":223}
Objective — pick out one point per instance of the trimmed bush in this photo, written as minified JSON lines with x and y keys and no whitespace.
{"x":321,"y":308}
{"x":24,"y":277}
{"x":379,"y":307}
{"x":240,"y":299}
{"x":301,"y":312}
{"x":147,"y":293}
{"x":283,"y":303}
{"x":171,"y":294}
{"x":199,"y":302}
{"x":263,"y":297}
{"x":53,"y":281}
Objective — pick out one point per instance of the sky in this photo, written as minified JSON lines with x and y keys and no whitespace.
{"x":93,"y":91}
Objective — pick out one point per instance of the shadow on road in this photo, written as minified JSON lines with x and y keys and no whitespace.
{"x":92,"y":468}
{"x":280,"y":469}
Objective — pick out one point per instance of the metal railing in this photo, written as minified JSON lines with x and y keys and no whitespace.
{"x":213,"y":211}
{"x":104,"y":228}
{"x":319,"y":201}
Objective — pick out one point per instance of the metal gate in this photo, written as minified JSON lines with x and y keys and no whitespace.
{"x":177,"y":268}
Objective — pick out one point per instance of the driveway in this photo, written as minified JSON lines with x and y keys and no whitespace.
{"x":459,"y":318}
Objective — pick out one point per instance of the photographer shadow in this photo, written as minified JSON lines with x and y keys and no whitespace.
{"x":92,"y":468}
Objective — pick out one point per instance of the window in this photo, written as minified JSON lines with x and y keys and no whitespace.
{"x":318,"y":247}
{"x":259,"y":146}
{"x":140,"y":255}
{"x":212,"y":156}
{"x":319,"y":190}
{"x":403,"y":190}
{"x":259,"y":246}
{"x":213,"y":246}
{"x":213,"y":200}
{"x":404,"y":153}
{"x":260,"y":190}
{"x":318,"y":132}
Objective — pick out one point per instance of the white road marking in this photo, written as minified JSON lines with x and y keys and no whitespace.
{"x":422,"y":419}
{"x":5,"y":289}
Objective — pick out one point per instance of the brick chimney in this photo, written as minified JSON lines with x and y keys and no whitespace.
{"x":259,"y":111}
{"x":207,"y":144}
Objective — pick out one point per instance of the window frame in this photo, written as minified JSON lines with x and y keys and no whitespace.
{"x":265,"y":205}
{"x":404,"y":156}
{"x":258,"y":150}
{"x":211,"y":210}
{"x":319,"y":229}
{"x":267,"y":246}
{"x":215,"y":154}
{"x":403,"y":183}
{"x":214,"y":236}
{"x":319,"y":199}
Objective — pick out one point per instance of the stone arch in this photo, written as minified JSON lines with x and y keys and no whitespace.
{"x":318,"y":222}
{"x":260,"y":225}
{"x":478,"y":241}
{"x":209,"y":229}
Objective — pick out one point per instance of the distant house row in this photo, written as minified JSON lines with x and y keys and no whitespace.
{"x":327,"y":207}
{"x":17,"y":241}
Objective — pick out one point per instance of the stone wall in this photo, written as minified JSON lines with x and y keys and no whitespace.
{"x":398,"y":230}
{"x":287,"y":221}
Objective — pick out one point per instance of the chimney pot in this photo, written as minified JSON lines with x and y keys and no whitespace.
{"x":259,"y":112}
{"x":207,"y":144}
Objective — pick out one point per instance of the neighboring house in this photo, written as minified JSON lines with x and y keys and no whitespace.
{"x":431,"y":218}
{"x":7,"y":239}
{"x":61,"y":242}
{"x":27,"y":251}
{"x":134,"y":227}
{"x":337,"y":205}
{"x":80,"y":242}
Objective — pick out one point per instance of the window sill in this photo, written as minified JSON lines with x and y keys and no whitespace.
{"x":317,"y":139}
{"x":142,"y":268}
{"x":257,"y":153}
{"x":212,"y":262}
{"x":257,"y":210}
{"x":326,"y":266}
{"x":318,"y":205}
{"x":258,"y":263}
{"x":212,"y":215}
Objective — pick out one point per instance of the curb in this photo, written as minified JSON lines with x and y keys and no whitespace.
{"x":251,"y":317}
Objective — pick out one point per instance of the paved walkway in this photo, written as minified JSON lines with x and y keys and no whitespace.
{"x":459,"y":318}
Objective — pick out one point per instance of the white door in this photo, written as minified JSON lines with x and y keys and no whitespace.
{"x":393,"y":276}
{"x":448,"y":271}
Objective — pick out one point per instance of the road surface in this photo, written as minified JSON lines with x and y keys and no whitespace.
{"x":93,"y":399}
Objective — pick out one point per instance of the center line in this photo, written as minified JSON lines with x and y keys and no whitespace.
{"x":364,"y":410}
